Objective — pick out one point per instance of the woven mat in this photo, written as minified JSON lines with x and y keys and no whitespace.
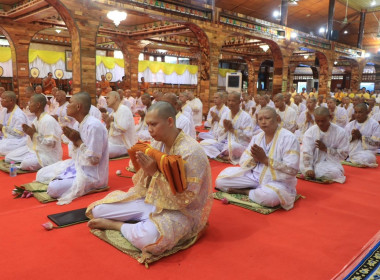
{"x":120,"y":157}
{"x":221,"y":160}
{"x":116,"y":239}
{"x":4,"y":166}
{"x":130,"y":169}
{"x":43,"y":197}
{"x":243,"y":200}
{"x":349,"y":163}
{"x":321,"y":180}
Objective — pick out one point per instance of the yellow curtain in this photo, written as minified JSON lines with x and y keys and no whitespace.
{"x":109,"y":62}
{"x":167,"y":68}
{"x":223,"y":72}
{"x":49,"y":57}
{"x":5,"y":54}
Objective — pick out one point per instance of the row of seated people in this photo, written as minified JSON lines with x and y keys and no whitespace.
{"x":268,"y":162}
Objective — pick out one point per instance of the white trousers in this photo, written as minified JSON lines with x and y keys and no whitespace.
{"x":140,"y":234}
{"x":7,"y":145}
{"x":259,"y":194}
{"x":206,"y":135}
{"x":116,"y":150}
{"x":28,"y":159}
{"x":58,"y":187}
{"x":364,"y":157}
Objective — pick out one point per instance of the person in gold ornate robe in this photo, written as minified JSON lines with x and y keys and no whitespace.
{"x":163,"y":217}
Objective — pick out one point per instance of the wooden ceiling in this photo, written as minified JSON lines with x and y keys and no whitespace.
{"x":307,"y":16}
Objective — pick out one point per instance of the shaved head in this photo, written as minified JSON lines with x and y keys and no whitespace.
{"x":322,"y":111}
{"x":361,"y":106}
{"x":10,"y":94}
{"x":114,"y":94}
{"x":41,"y":99}
{"x":85,"y":99}
{"x":170,"y":98}
{"x":164,"y":110}
{"x":279,"y":96}
{"x":272,"y":111}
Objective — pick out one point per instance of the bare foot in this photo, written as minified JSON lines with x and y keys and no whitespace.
{"x":101,"y":223}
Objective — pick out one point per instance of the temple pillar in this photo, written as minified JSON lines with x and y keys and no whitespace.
{"x":357,"y":68}
{"x":326,"y":65}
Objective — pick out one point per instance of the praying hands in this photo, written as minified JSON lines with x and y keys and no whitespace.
{"x":228,"y":126}
{"x":259,"y":155}
{"x":356,"y":135}
{"x":29,"y":130}
{"x":73,"y":135}
{"x":320,"y":145}
{"x":148,"y":164}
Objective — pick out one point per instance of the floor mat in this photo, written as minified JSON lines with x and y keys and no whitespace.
{"x":321,"y":180}
{"x":120,"y":157}
{"x":4,"y":166}
{"x":349,"y":163}
{"x":242,"y":200}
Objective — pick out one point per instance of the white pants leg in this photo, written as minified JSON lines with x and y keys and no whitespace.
{"x":30,"y":162}
{"x":58,"y":187}
{"x":116,"y":150}
{"x":140,"y":234}
{"x":264,"y":196}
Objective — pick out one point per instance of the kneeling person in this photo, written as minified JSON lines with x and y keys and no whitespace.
{"x":324,"y":146}
{"x":88,"y":168}
{"x":43,"y":145}
{"x":268,"y":168}
{"x":163,"y":217}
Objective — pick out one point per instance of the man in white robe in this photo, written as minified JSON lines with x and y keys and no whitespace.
{"x":320,"y":101}
{"x":248,"y":104}
{"x":300,"y":107}
{"x":268,"y":167}
{"x":59,"y":112}
{"x":53,"y":104}
{"x":185,"y":107}
{"x":123,"y":101}
{"x":288,"y":102}
{"x":120,"y":125}
{"x":29,"y":92}
{"x":142,"y":128}
{"x":214,"y":115}
{"x":348,"y":106}
{"x":139,"y":105}
{"x":306,"y":119}
{"x":182,"y":122}
{"x":233,"y":135}
{"x":128,"y":97}
{"x":197,"y":108}
{"x":44,"y":139}
{"x":324,"y":146}
{"x":287,"y":114}
{"x":364,"y":137}
{"x":372,"y":108}
{"x":12,"y":118}
{"x":339,"y":115}
{"x":88,"y":168}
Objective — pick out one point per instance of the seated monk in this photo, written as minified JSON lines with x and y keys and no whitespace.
{"x":287,"y":114}
{"x":43,"y":145}
{"x":142,"y":128}
{"x":234,"y":132}
{"x":164,"y":215}
{"x":364,"y":137}
{"x":324,"y":146}
{"x":88,"y":168}
{"x":268,"y":168}
{"x":120,"y":125}
{"x":48,"y":83}
{"x":12,"y":118}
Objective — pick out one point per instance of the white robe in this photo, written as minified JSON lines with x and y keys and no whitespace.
{"x":350,"y":110}
{"x":213,"y":125}
{"x":95,"y":112}
{"x":142,"y":130}
{"x":248,"y":106}
{"x":197,"y":108}
{"x":86,"y":171}
{"x":340,"y":117}
{"x":363,"y":151}
{"x":303,"y":125}
{"x":13,"y":135}
{"x":122,"y":133}
{"x":102,"y":102}
{"x":139,"y":105}
{"x":233,"y":143}
{"x":325,"y":164}
{"x":288,"y":118}
{"x":300,"y":108}
{"x":132,"y":103}
{"x":375,"y":110}
{"x":44,"y":149}
{"x":184,"y":124}
{"x":273,"y":184}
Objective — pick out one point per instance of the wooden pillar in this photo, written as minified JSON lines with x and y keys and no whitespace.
{"x":325,"y":72}
{"x":292,"y":70}
{"x":377,"y":79}
{"x":284,"y":13}
{"x":134,"y":51}
{"x":19,"y":36}
{"x":281,"y":62}
{"x":357,"y":68}
{"x":330,"y":21}
{"x":361,"y":28}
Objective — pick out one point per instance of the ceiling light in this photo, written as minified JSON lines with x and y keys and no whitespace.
{"x":367,"y":55}
{"x":373,"y":3}
{"x":345,"y":32}
{"x":335,"y":62}
{"x":276,"y":14}
{"x":264,"y":47}
{"x":306,"y":56}
{"x":117,"y":16}
{"x":58,"y":30}
{"x":322,"y":30}
{"x":293,"y":35}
